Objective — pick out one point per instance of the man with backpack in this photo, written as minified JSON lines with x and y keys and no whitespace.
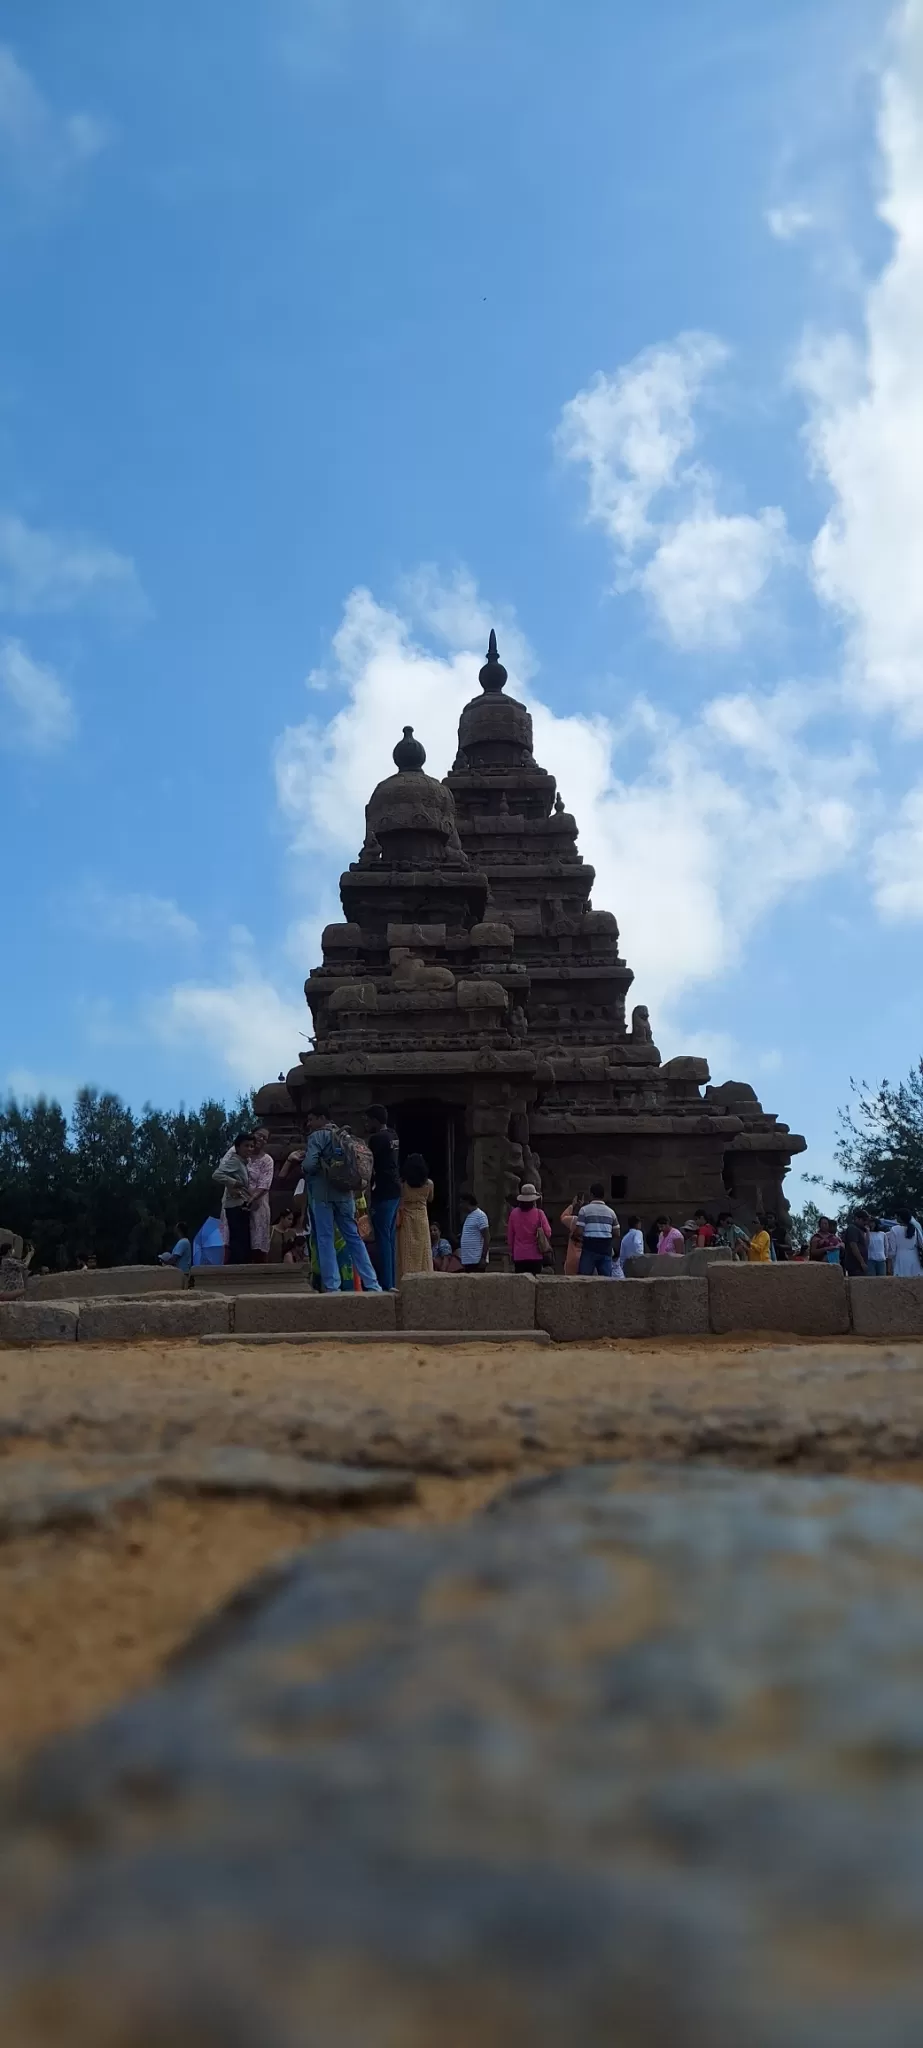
{"x":336,"y":1167}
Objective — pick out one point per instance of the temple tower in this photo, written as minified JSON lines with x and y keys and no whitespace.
{"x":473,"y":988}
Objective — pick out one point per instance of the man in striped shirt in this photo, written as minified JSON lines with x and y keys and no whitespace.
{"x":598,"y":1226}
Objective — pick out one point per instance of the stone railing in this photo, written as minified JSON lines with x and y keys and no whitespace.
{"x":726,"y":1299}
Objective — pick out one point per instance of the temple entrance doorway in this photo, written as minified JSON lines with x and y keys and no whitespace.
{"x":436,"y":1129}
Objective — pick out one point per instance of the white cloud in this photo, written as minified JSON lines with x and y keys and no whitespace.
{"x":326,"y":773}
{"x":245,"y":1022}
{"x":865,"y":428}
{"x":249,"y":1027}
{"x":40,"y":148}
{"x":135,"y":917}
{"x":897,"y":864}
{"x":789,"y":221}
{"x":635,"y":432}
{"x":728,"y":812}
{"x":634,"y":429}
{"x":677,"y":848}
{"x":709,"y":570}
{"x":54,"y":572}
{"x":36,"y":713}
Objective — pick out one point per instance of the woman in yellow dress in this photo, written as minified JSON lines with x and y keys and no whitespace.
{"x":414,"y":1245}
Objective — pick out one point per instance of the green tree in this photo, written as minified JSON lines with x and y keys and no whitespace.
{"x":803,"y":1223}
{"x":103,"y":1135}
{"x":879,"y":1152}
{"x":112,"y":1183}
{"x":36,"y":1185}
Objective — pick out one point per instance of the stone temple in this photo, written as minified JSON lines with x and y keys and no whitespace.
{"x":473,"y":989}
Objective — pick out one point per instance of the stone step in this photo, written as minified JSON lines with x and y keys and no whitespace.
{"x":412,"y":1337}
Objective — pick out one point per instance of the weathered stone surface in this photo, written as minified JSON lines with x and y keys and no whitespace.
{"x":887,"y":1307}
{"x":804,"y":1301}
{"x":460,"y":1301}
{"x":114,"y":1322}
{"x":648,"y":1265}
{"x":580,"y":1311}
{"x":653,"y":1266}
{"x":106,"y":1280}
{"x":233,"y":1469}
{"x":38,"y":1494}
{"x":677,"y":1308}
{"x":38,"y":1322}
{"x":635,"y":1759}
{"x":702,"y":1257}
{"x":35,"y":1495}
{"x":250,"y":1279}
{"x":312,"y":1312}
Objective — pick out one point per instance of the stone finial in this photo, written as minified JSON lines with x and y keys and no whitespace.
{"x":559,"y":805}
{"x":408,"y":755}
{"x":493,"y":674}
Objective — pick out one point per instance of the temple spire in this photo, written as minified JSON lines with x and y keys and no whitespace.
{"x":408,"y":755}
{"x":493,"y":674}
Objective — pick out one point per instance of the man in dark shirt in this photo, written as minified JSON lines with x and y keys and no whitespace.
{"x":857,"y":1245}
{"x":386,"y":1192}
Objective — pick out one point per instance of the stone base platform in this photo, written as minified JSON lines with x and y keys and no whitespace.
{"x":453,"y":1338}
{"x":724,"y":1300}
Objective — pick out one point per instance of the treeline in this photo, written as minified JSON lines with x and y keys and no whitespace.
{"x":107,"y":1182}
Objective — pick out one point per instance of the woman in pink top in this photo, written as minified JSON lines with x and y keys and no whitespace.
{"x":671,"y":1240}
{"x":522,"y":1230}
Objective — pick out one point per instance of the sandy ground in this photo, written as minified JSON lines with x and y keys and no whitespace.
{"x":90,"y":1616}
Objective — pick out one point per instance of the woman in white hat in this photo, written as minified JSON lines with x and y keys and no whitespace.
{"x":528,"y":1232}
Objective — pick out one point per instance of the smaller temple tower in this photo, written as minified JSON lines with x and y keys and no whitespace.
{"x":474,"y":990}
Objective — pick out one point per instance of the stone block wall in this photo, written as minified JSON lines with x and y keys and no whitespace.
{"x":314,"y":1314}
{"x":887,"y":1308}
{"x":476,"y":1301}
{"x":774,"y":1302}
{"x":794,"y":1300}
{"x":105,"y":1280}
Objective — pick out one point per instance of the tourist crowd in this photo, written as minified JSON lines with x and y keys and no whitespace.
{"x":361,"y":1221}
{"x":364,"y":1222}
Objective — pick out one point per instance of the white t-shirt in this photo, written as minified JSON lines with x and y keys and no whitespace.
{"x":877,"y":1244}
{"x":632,"y":1246}
{"x":905,"y":1251}
{"x":471,"y":1244}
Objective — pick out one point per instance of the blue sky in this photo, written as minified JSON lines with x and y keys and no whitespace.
{"x":336,"y":330}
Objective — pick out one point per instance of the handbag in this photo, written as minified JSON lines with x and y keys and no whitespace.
{"x":542,"y":1244}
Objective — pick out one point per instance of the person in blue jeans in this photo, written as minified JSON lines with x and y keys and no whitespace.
{"x":597,"y":1225}
{"x":329,"y":1207}
{"x":385,"y":1199}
